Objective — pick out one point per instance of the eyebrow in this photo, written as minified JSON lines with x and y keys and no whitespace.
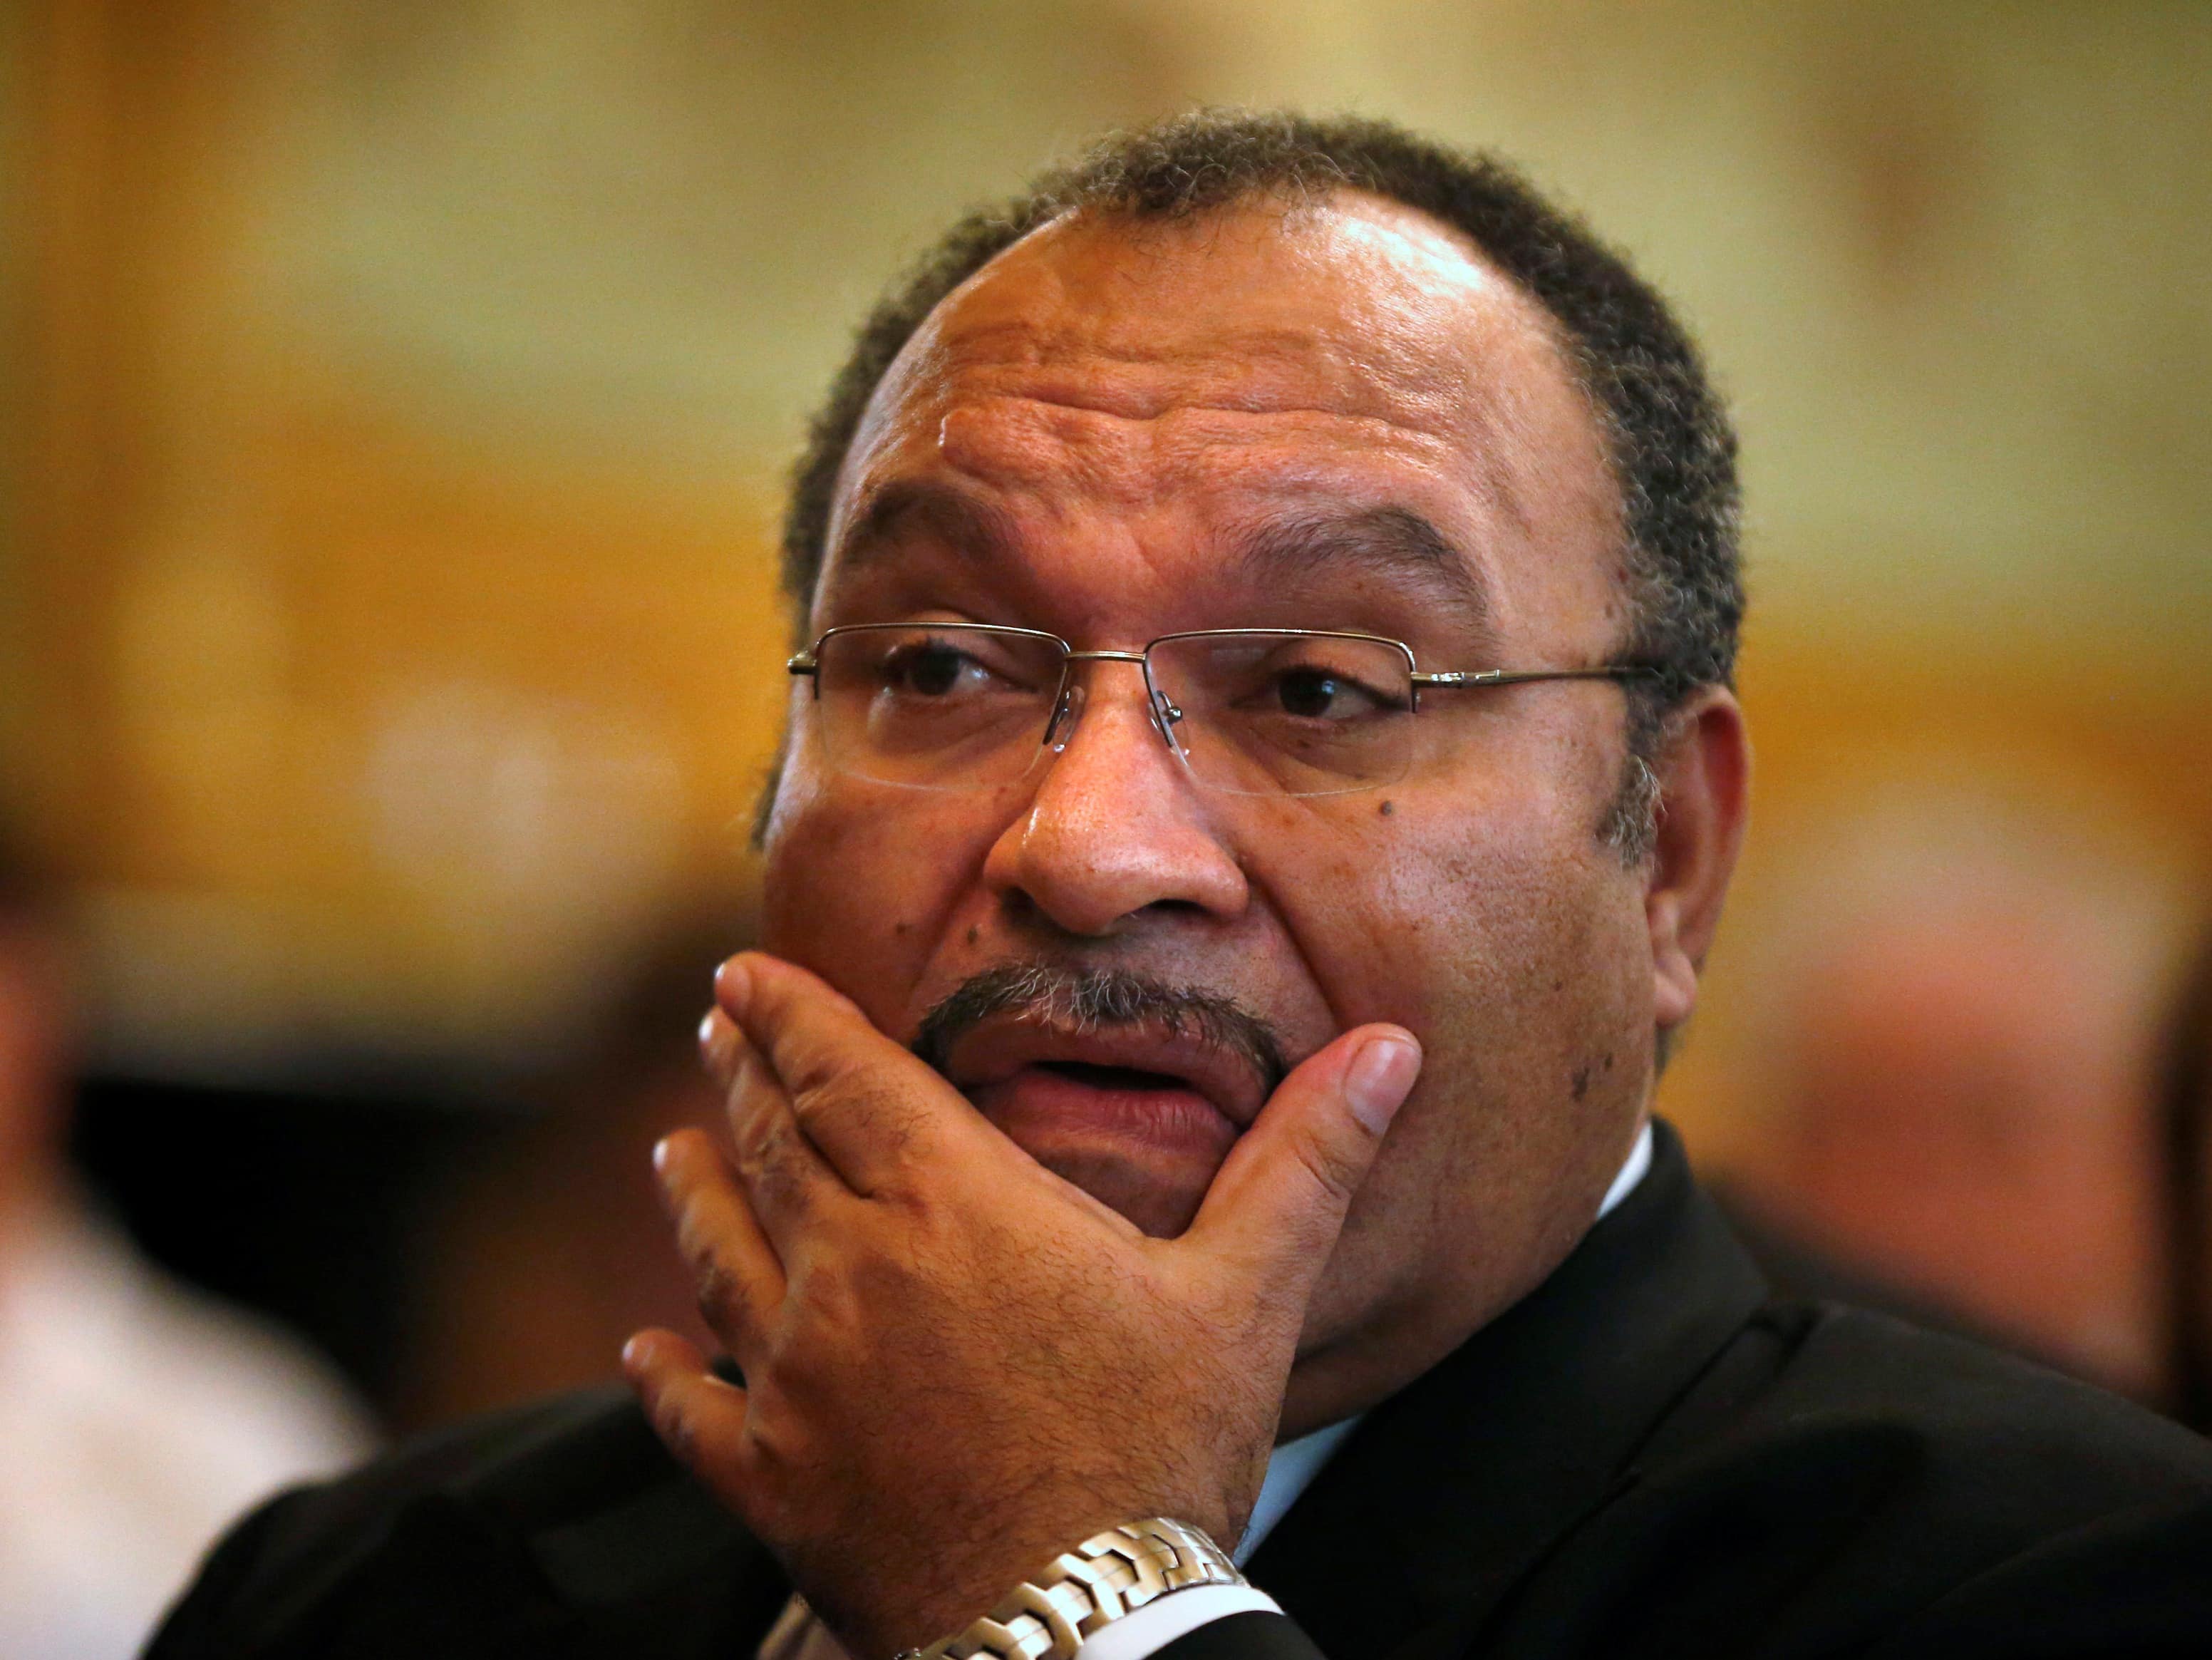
{"x":971,"y":527}
{"x":1394,"y":542}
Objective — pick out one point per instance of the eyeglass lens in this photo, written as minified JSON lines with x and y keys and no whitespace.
{"x":1251,"y":713}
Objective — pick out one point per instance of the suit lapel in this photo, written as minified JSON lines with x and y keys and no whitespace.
{"x":669,"y":1573}
{"x":1449,"y":1492}
{"x":634,"y":1556}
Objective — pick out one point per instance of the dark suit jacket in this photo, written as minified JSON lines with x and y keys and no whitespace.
{"x":1645,"y":1456}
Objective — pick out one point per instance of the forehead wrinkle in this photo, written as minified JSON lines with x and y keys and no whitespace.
{"x":1098,"y":438}
{"x":1122,"y":364}
{"x":1024,"y":442}
{"x":1092,"y":394}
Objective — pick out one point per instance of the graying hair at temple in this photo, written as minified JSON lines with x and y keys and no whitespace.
{"x":1672,"y":448}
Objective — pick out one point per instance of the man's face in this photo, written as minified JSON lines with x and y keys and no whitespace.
{"x":1340,"y":419}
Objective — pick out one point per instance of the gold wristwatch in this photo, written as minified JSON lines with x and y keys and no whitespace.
{"x":1047,"y":1615}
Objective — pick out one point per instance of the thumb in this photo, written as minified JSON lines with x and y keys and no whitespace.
{"x":1280,"y":1195}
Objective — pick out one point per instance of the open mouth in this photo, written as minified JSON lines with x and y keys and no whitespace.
{"x":1146,"y":1079}
{"x":1060,"y":1108}
{"x":1105,"y":1036}
{"x":1112,"y":1077}
{"x":1140,"y":1117}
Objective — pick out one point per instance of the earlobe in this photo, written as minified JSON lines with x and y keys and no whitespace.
{"x":1674,"y":976}
{"x":1704,"y":783}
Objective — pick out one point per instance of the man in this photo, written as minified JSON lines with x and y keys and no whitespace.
{"x":1178,"y":1043}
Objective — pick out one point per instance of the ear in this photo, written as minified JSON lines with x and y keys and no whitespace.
{"x":1704,"y":788}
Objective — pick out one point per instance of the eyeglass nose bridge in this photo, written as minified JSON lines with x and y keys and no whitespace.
{"x":1068,"y":705}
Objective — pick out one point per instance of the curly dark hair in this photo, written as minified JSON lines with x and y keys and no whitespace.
{"x":1673,"y":448}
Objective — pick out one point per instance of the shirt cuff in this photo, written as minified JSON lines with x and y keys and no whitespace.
{"x":1160,"y":1621}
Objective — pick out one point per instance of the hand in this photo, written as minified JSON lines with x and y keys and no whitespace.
{"x":957,"y":1365}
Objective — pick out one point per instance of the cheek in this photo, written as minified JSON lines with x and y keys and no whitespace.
{"x":1508,"y":939}
{"x":1541,"y":979}
{"x":1460,"y":920}
{"x":858,"y":888}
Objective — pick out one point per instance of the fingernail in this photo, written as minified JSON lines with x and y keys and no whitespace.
{"x":659,"y":1157}
{"x":634,"y":1351}
{"x":733,"y":986}
{"x":717,"y":1044}
{"x":1379,"y":1078}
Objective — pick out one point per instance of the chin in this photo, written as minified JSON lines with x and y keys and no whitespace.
{"x":1158,"y":1201}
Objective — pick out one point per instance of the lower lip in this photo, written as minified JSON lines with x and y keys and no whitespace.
{"x":1037,"y":1104}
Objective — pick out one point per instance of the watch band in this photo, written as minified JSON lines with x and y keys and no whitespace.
{"x":1047,"y":1615}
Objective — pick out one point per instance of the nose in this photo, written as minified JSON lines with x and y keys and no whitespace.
{"x":1116,"y":826}
{"x":1074,"y":693}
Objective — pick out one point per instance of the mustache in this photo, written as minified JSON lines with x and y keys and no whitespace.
{"x":1089,"y":999}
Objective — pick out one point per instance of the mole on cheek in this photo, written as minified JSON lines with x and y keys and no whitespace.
{"x":973,"y":934}
{"x":901,"y":927}
{"x":1388,"y":808}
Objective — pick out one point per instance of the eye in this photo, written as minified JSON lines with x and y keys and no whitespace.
{"x":1312,"y":692}
{"x":932,"y":668}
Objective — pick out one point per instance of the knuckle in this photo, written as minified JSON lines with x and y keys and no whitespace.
{"x":752,"y":1091}
{"x":720,"y":1300}
{"x":781,"y":1179}
{"x":759,"y":1137}
{"x":819,"y":1106}
{"x":676,"y":1427}
{"x":808,"y":1067}
{"x":693,"y":1240}
{"x":748,"y":1156}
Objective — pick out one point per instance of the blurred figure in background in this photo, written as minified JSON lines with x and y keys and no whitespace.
{"x":547,"y":1250}
{"x":2184,"y":1081}
{"x":1950,"y":1031}
{"x":135,"y":1416}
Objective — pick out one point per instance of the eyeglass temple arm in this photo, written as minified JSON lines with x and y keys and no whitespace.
{"x":1515,"y":676}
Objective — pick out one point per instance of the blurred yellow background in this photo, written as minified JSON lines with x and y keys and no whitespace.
{"x":396,"y":396}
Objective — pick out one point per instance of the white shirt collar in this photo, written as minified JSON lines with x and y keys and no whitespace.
{"x":1631,"y":1171}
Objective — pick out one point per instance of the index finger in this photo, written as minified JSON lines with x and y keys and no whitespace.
{"x":873,"y":1108}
